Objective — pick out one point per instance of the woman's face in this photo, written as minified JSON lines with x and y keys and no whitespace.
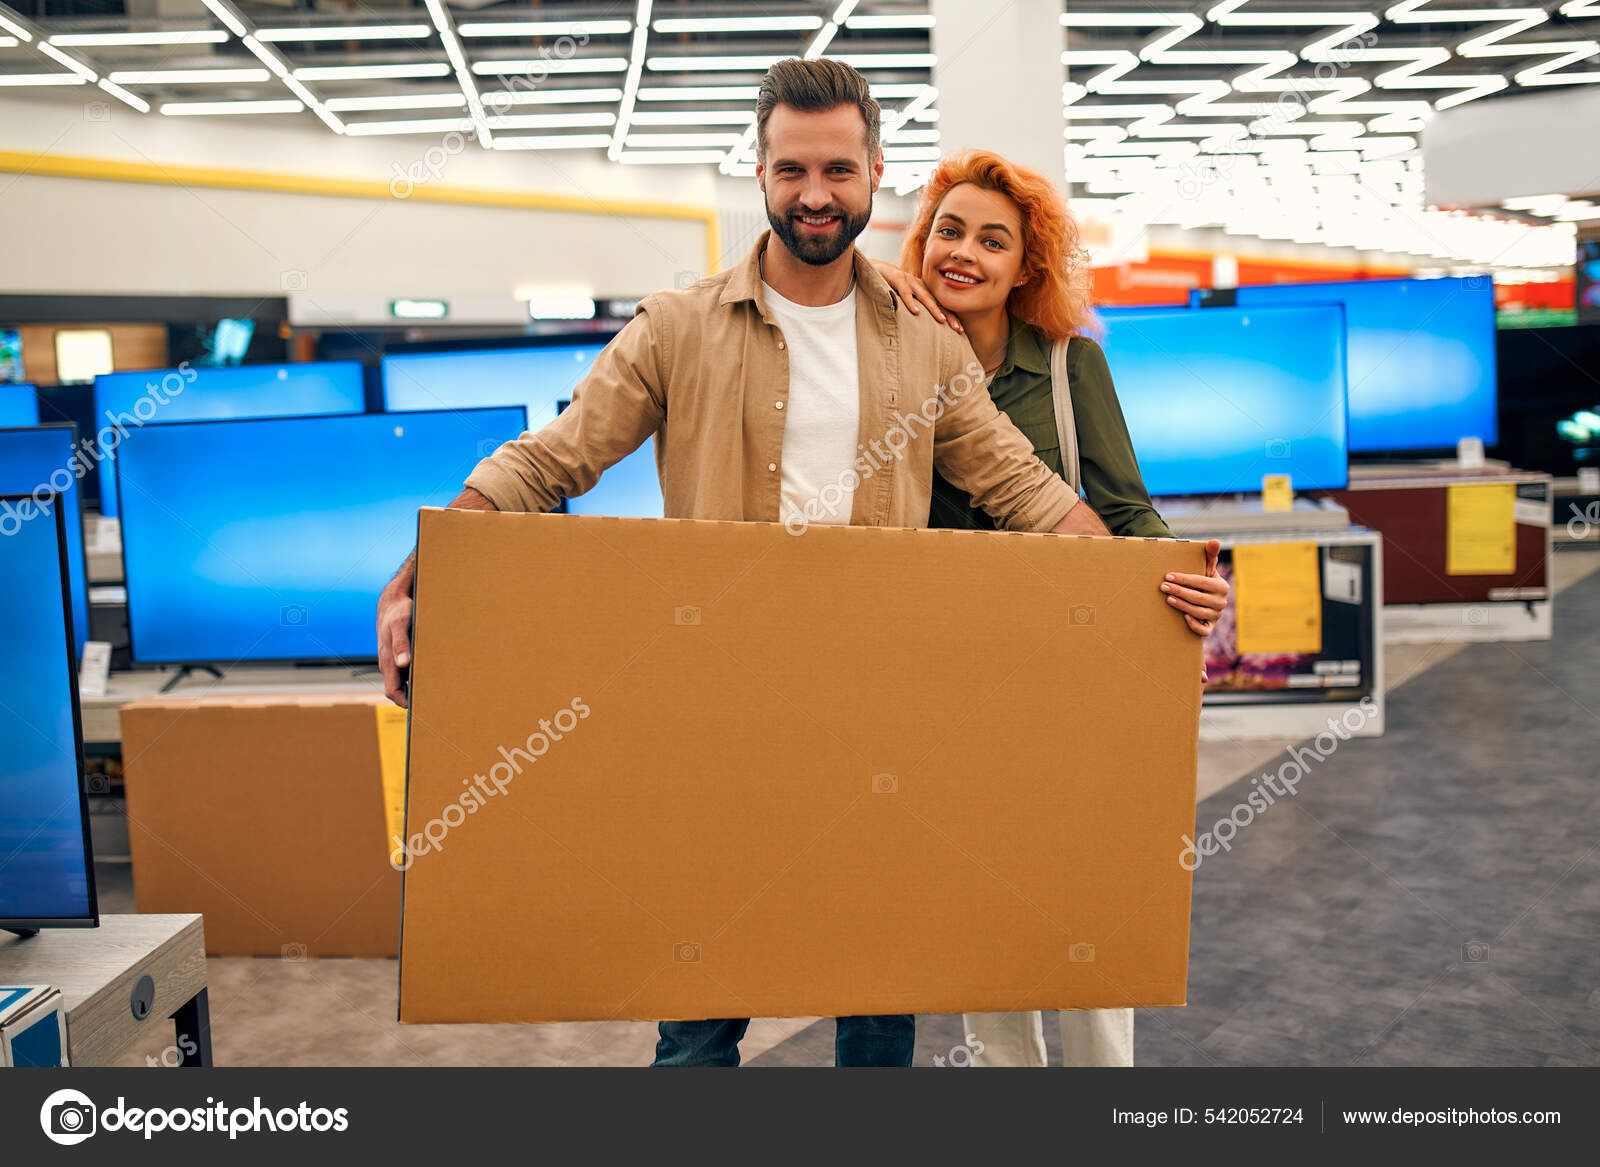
{"x":973,"y":257}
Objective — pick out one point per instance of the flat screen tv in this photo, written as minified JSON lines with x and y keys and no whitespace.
{"x":125,"y":402}
{"x":1422,"y":357}
{"x":1217,"y":400}
{"x":269,"y":539}
{"x":19,"y":404}
{"x":46,"y":863}
{"x":538,"y":378}
{"x":37,"y":461}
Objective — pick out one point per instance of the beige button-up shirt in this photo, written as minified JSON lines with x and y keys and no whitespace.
{"x":706,"y":371}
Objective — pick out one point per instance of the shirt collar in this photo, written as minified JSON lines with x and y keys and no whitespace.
{"x":1025,"y":349}
{"x":745,"y":281}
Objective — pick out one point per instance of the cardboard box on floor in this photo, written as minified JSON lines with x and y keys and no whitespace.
{"x":267,"y":815}
{"x":666,"y":769}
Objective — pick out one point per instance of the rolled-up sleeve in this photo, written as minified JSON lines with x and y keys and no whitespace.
{"x":976,"y":448}
{"x":614,"y":410}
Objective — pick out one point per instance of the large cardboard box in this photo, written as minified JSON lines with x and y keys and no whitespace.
{"x":267,"y":816}
{"x":665,"y":769}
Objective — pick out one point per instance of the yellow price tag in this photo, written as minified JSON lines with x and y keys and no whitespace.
{"x":1277,"y":597}
{"x":1277,"y":494}
{"x":392,"y":763}
{"x":1481,"y":529}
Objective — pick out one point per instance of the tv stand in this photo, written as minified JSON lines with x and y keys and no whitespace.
{"x":25,"y":933}
{"x":179,"y":676}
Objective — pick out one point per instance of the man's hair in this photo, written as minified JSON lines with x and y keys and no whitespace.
{"x":815,"y":87}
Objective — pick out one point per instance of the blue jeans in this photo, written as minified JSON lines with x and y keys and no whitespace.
{"x":858,"y":1041}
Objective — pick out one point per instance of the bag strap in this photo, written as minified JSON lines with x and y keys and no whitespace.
{"x":1066,"y":425}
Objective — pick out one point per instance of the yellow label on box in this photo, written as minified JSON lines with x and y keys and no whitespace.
{"x":1277,"y":493}
{"x":1277,"y":597}
{"x":392,"y":761}
{"x":1481,"y":529}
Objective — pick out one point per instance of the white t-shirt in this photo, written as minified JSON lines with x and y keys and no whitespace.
{"x":823,"y":414}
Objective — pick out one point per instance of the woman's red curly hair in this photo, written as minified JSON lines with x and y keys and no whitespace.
{"x":1055,"y":300}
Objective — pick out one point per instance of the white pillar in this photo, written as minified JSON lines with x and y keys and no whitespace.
{"x":999,"y":75}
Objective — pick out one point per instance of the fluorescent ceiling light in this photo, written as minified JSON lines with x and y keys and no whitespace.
{"x":554,"y":142}
{"x":553,"y":121}
{"x":679,"y":140}
{"x":693,"y":117}
{"x":217,"y":108}
{"x":550,"y":96}
{"x":453,"y":100}
{"x":889,"y":23}
{"x":713,"y":64}
{"x":560,"y":305}
{"x":69,"y":61}
{"x":40,"y":79}
{"x":188,"y":76}
{"x":419,"y":126}
{"x":124,"y":96}
{"x":738,"y":24}
{"x":630,"y":85}
{"x":348,"y":32}
{"x":888,"y":60}
{"x":372,"y":72}
{"x":14,"y":28}
{"x":198,"y":36}
{"x":669,"y":157}
{"x":571,"y":28}
{"x":266,"y":56}
{"x":9,"y":42}
{"x":744,"y":93}
{"x":225,"y":13}
{"x":539,"y":66}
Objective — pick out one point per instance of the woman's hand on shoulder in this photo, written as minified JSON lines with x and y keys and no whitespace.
{"x":914,"y":292}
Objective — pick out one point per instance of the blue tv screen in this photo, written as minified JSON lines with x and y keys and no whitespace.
{"x":124,"y":402}
{"x":46,"y":872}
{"x":1422,"y":357}
{"x":1215,"y":400}
{"x":43,"y":460}
{"x":19,"y":404}
{"x":630,"y":489}
{"x":271,"y":539}
{"x":538,"y":378}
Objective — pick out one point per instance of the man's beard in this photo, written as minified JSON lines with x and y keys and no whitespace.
{"x":818,"y":250}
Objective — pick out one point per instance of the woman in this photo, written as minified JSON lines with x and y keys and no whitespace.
{"x":994,"y":247}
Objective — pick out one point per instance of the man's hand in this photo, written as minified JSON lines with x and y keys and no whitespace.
{"x":394,"y":610}
{"x":1201,"y":598}
{"x":1080,"y":520}
{"x":394,"y":634}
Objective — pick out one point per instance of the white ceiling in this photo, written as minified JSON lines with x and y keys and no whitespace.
{"x":1281,"y":118}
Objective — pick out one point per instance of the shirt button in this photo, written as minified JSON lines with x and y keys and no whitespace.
{"x":777,"y":405}
{"x":772,"y":465}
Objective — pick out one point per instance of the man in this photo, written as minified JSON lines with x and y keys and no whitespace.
{"x":792,"y":387}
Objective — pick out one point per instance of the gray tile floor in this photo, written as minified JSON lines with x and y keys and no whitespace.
{"x":1431,"y":897}
{"x":1334,"y":932}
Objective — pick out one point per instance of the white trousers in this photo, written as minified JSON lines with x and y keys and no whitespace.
{"x":1089,"y":1037}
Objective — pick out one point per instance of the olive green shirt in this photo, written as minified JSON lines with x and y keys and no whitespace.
{"x":1022,"y":389}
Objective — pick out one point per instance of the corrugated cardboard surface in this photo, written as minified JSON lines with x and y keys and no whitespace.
{"x":857,"y":771}
{"x":266,"y":815}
